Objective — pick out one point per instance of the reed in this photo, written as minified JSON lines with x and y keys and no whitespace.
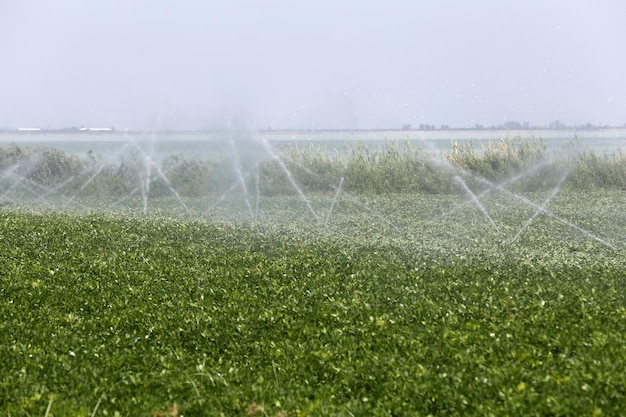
{"x":392,"y":168}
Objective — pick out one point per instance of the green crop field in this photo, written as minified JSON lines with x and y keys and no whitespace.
{"x":424,"y":288}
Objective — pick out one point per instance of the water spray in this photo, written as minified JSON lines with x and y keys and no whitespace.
{"x":237,"y":169}
{"x":257,"y":180}
{"x":220,"y":199}
{"x":476,"y":201}
{"x":270,"y":152}
{"x":332,"y":204}
{"x":352,"y":198}
{"x":541,"y":208}
{"x":552,"y":215}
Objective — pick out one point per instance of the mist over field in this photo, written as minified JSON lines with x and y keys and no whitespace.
{"x":191,"y":65}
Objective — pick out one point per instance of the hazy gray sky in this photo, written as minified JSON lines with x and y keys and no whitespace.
{"x":179,"y":64}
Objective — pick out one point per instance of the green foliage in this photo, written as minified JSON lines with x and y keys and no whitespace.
{"x":42,"y":165}
{"x":128,"y":316}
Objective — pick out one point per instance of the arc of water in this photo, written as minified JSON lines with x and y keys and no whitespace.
{"x":257,"y":180}
{"x":369,"y":209}
{"x":144,"y":171}
{"x":126,"y":197}
{"x":354,"y":199}
{"x":32,"y":187}
{"x":9,"y":171}
{"x":91,"y":178}
{"x":492,"y":187}
{"x":337,"y":193}
{"x":332,"y":204}
{"x":270,"y":152}
{"x":145,"y":184}
{"x":150,"y":163}
{"x":17,"y":179}
{"x":24,"y":182}
{"x":238,"y":183}
{"x":221,"y":199}
{"x":501,"y":187}
{"x":238,"y":172}
{"x":169,"y":185}
{"x":29,"y":185}
{"x":95,"y":174}
{"x":55,"y":188}
{"x":542,"y":207}
{"x":477,"y":202}
{"x":587,"y":233}
{"x":133,"y":191}
{"x":557,"y":218}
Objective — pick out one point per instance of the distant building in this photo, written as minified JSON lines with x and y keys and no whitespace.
{"x":96,"y":129}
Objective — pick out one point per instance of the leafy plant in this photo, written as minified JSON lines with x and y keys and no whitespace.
{"x":125,"y":315}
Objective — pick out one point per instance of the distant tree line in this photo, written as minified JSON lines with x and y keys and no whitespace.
{"x":515,"y":125}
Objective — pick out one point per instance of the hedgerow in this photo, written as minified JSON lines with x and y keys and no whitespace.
{"x":392,"y":168}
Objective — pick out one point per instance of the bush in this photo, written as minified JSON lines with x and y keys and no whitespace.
{"x":42,"y":165}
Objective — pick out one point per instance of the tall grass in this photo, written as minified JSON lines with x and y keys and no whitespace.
{"x":498,"y":160}
{"x":391,"y":168}
{"x":593,"y":170}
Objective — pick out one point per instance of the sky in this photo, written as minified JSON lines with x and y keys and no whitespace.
{"x":319,"y":64}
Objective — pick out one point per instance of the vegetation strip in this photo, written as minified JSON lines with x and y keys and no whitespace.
{"x":38,"y":174}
